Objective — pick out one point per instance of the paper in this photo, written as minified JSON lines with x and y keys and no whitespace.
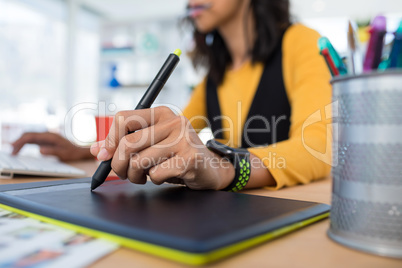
{"x":26,"y":242}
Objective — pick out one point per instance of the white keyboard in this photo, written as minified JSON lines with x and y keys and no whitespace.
{"x":35,"y":166}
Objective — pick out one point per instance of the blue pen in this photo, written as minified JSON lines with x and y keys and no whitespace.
{"x":395,"y":57}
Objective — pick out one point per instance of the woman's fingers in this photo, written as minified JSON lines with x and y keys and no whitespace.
{"x":126,"y":122}
{"x":159,"y":140}
{"x":96,"y":147}
{"x":45,"y":138}
{"x":174,"y":167}
{"x":49,"y":150}
{"x":142,"y":162}
{"x":152,"y":142}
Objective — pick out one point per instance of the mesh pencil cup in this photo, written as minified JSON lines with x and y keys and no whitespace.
{"x":366,"y":211}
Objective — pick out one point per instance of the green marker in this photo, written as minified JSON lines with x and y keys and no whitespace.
{"x":150,"y":95}
{"x":394,"y":59}
{"x":324,"y":43}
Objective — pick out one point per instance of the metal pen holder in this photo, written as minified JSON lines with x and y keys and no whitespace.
{"x":366,"y":211}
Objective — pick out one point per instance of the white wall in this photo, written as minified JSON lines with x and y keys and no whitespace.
{"x":140,"y":9}
{"x":356,"y":9}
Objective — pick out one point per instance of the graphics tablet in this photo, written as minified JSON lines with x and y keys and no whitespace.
{"x":173,"y":222}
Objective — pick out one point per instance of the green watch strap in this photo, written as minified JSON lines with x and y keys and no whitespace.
{"x":242,"y":173}
{"x":239,"y":157}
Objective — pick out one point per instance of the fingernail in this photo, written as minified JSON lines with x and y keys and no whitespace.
{"x":103,"y":154}
{"x":153,"y":169}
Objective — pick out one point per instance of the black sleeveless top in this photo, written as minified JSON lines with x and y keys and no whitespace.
{"x":268,"y":118}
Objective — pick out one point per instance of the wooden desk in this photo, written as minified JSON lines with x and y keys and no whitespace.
{"x":307,"y":247}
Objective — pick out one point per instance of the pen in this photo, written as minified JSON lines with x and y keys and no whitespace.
{"x":338,"y":67}
{"x":395,"y":57}
{"x":354,"y":63}
{"x":374,"y":49}
{"x":150,"y":95}
{"x":331,"y":66}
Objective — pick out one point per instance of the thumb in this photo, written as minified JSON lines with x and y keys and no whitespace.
{"x":104,"y":154}
{"x":99,"y":150}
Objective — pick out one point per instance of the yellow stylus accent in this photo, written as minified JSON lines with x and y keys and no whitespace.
{"x":177,"y":52}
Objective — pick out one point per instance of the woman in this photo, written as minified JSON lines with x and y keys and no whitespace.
{"x":265,"y":78}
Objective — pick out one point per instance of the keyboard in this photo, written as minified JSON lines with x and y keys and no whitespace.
{"x":35,"y":166}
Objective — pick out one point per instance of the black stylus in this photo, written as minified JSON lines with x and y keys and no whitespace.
{"x":150,"y":95}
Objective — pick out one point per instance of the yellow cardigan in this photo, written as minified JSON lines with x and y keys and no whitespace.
{"x":306,"y":155}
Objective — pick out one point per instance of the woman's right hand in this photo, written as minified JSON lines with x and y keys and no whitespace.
{"x":158,"y":143}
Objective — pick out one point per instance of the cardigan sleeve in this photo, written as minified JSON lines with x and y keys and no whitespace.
{"x":195,"y":111}
{"x":306,"y":155}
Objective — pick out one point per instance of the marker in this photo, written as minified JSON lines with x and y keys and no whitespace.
{"x":354,"y":63}
{"x":331,"y":55}
{"x":374,"y":49}
{"x":150,"y":95}
{"x":395,"y":57}
{"x":330,"y":63}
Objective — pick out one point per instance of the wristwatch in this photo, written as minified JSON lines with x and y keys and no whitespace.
{"x":240,"y":158}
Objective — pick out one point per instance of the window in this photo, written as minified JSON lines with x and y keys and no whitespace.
{"x":33,"y":65}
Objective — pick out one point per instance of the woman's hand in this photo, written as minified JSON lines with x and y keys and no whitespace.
{"x":163,"y":146}
{"x":52,"y":144}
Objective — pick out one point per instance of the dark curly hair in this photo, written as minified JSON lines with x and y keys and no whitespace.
{"x":271,"y":17}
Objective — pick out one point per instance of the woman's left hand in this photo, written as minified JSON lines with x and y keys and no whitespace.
{"x":158,"y":143}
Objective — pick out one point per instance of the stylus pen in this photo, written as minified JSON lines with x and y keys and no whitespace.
{"x":150,"y":95}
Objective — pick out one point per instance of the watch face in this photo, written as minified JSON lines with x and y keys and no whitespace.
{"x":219,"y":148}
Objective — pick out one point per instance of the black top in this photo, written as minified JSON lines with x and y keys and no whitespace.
{"x":269,"y":111}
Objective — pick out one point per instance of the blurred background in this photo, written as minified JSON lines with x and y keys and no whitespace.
{"x":64,"y":61}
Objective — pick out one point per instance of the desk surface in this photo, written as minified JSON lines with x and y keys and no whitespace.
{"x":308,"y":247}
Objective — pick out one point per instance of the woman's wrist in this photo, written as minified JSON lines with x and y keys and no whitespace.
{"x":260,"y":174}
{"x":224,"y":171}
